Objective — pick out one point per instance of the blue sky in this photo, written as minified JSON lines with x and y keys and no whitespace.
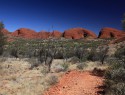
{"x":61,"y":14}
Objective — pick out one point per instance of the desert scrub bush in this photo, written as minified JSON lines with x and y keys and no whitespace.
{"x":47,"y":54}
{"x":2,"y":38}
{"x":52,"y":80}
{"x":115,"y":88}
{"x":74,"y":60}
{"x":81,"y":66}
{"x":115,"y":75}
{"x":92,"y":55}
{"x":120,"y":54}
{"x":14,"y":53}
{"x":81,"y":53}
{"x":65,"y":66}
{"x":115,"y":84}
{"x":44,"y":70}
{"x":98,"y":55}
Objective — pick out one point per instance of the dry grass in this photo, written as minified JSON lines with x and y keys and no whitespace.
{"x":17,"y":79}
{"x":91,"y":65}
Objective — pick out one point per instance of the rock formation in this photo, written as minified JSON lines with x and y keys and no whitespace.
{"x":73,"y":33}
{"x":56,"y":34}
{"x":78,"y":33}
{"x":24,"y":33}
{"x":110,"y":33}
{"x":5,"y":31}
{"x":43,"y":35}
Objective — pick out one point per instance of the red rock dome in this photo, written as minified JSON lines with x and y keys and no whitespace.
{"x":25,"y":33}
{"x":56,"y":34}
{"x":111,"y":33}
{"x":43,"y":35}
{"x":78,"y":33}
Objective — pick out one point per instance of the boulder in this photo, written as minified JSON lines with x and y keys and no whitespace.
{"x":78,"y":33}
{"x":111,"y":33}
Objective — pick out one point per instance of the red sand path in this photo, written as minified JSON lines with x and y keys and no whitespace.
{"x":77,"y":83}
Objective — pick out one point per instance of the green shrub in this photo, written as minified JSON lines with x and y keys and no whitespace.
{"x":65,"y":66}
{"x":120,"y":54}
{"x":81,"y":66}
{"x":116,"y":89}
{"x":115,"y":75}
{"x":2,"y":38}
{"x":52,"y":80}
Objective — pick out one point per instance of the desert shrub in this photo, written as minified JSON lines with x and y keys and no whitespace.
{"x":14,"y":53}
{"x":74,"y":60}
{"x":93,"y":55}
{"x":81,"y":53}
{"x":34,"y":62}
{"x":44,"y":70}
{"x":115,"y":88}
{"x":47,"y":54}
{"x":120,"y":54}
{"x":98,"y":72}
{"x":59,"y":55}
{"x":65,"y":66}
{"x":115,"y":75}
{"x":98,"y":55}
{"x":113,"y":79}
{"x":52,"y":80}
{"x":81,"y":66}
{"x":2,"y":38}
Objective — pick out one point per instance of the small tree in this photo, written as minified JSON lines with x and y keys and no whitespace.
{"x":123,"y":22}
{"x":47,"y":54}
{"x":2,"y":38}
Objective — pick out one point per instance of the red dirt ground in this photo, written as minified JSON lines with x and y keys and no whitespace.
{"x":77,"y":83}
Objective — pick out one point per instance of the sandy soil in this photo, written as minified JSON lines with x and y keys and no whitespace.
{"x":77,"y":83}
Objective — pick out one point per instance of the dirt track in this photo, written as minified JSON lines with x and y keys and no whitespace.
{"x":77,"y":83}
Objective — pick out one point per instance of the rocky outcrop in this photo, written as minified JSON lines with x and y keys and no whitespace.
{"x":5,"y":31}
{"x":24,"y":33}
{"x":73,"y":33}
{"x":110,"y":33}
{"x":78,"y":33}
{"x":43,"y":35}
{"x":56,"y":34}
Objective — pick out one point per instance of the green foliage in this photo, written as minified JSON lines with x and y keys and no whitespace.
{"x":120,"y":55}
{"x":52,"y":80}
{"x":2,"y":38}
{"x":81,"y":66}
{"x":65,"y":66}
{"x":115,"y":76}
